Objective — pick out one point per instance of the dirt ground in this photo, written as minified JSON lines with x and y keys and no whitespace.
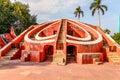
{"x":16,"y":70}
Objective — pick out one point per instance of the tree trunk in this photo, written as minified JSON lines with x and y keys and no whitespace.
{"x":99,"y":23}
{"x":78,"y":16}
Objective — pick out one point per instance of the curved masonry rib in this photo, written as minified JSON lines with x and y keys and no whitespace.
{"x":99,"y":39}
{"x":41,"y":39}
{"x":76,"y":40}
{"x":85,"y":39}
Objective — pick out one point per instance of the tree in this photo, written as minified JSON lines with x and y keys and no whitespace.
{"x":107,"y":31}
{"x":78,"y":12}
{"x":6,"y":16}
{"x":15,"y":14}
{"x":33,"y":19}
{"x":96,"y":5}
{"x":116,"y":37}
{"x":22,"y":12}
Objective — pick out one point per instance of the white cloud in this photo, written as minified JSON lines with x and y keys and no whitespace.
{"x":45,"y":9}
{"x":43,"y":6}
{"x":51,"y":6}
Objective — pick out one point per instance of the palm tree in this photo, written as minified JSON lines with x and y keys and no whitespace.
{"x":78,"y":11}
{"x":96,"y":5}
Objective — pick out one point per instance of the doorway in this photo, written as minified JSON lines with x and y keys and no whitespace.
{"x":71,"y":54}
{"x":48,"y":49}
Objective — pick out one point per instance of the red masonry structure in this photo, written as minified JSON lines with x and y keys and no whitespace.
{"x":63,"y":41}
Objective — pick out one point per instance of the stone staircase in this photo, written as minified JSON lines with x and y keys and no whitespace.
{"x":60,"y":58}
{"x":10,"y":54}
{"x":61,"y":37}
{"x":113,"y":57}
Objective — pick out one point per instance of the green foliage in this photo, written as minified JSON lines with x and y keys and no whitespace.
{"x":5,"y":15}
{"x":116,"y":37}
{"x":107,"y":31}
{"x":78,"y":12}
{"x":16,"y":14}
{"x":97,"y":5}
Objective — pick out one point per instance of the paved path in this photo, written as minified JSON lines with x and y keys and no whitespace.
{"x":16,"y":70}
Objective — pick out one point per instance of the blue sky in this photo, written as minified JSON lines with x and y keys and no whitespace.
{"x":47,"y":10}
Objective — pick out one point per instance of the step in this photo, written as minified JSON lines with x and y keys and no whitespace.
{"x":118,"y":59}
{"x":113,"y":57}
{"x":6,"y":58}
{"x":10,"y":54}
{"x":12,"y":51}
{"x":97,"y":61}
{"x":61,"y":38}
{"x":114,"y":60}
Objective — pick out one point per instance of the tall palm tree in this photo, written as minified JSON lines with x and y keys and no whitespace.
{"x":96,"y":5}
{"x":78,"y":12}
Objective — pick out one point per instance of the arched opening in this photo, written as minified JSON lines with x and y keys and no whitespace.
{"x":48,"y":49}
{"x":71,"y":54}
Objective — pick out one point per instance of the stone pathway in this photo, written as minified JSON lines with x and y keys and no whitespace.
{"x":16,"y":70}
